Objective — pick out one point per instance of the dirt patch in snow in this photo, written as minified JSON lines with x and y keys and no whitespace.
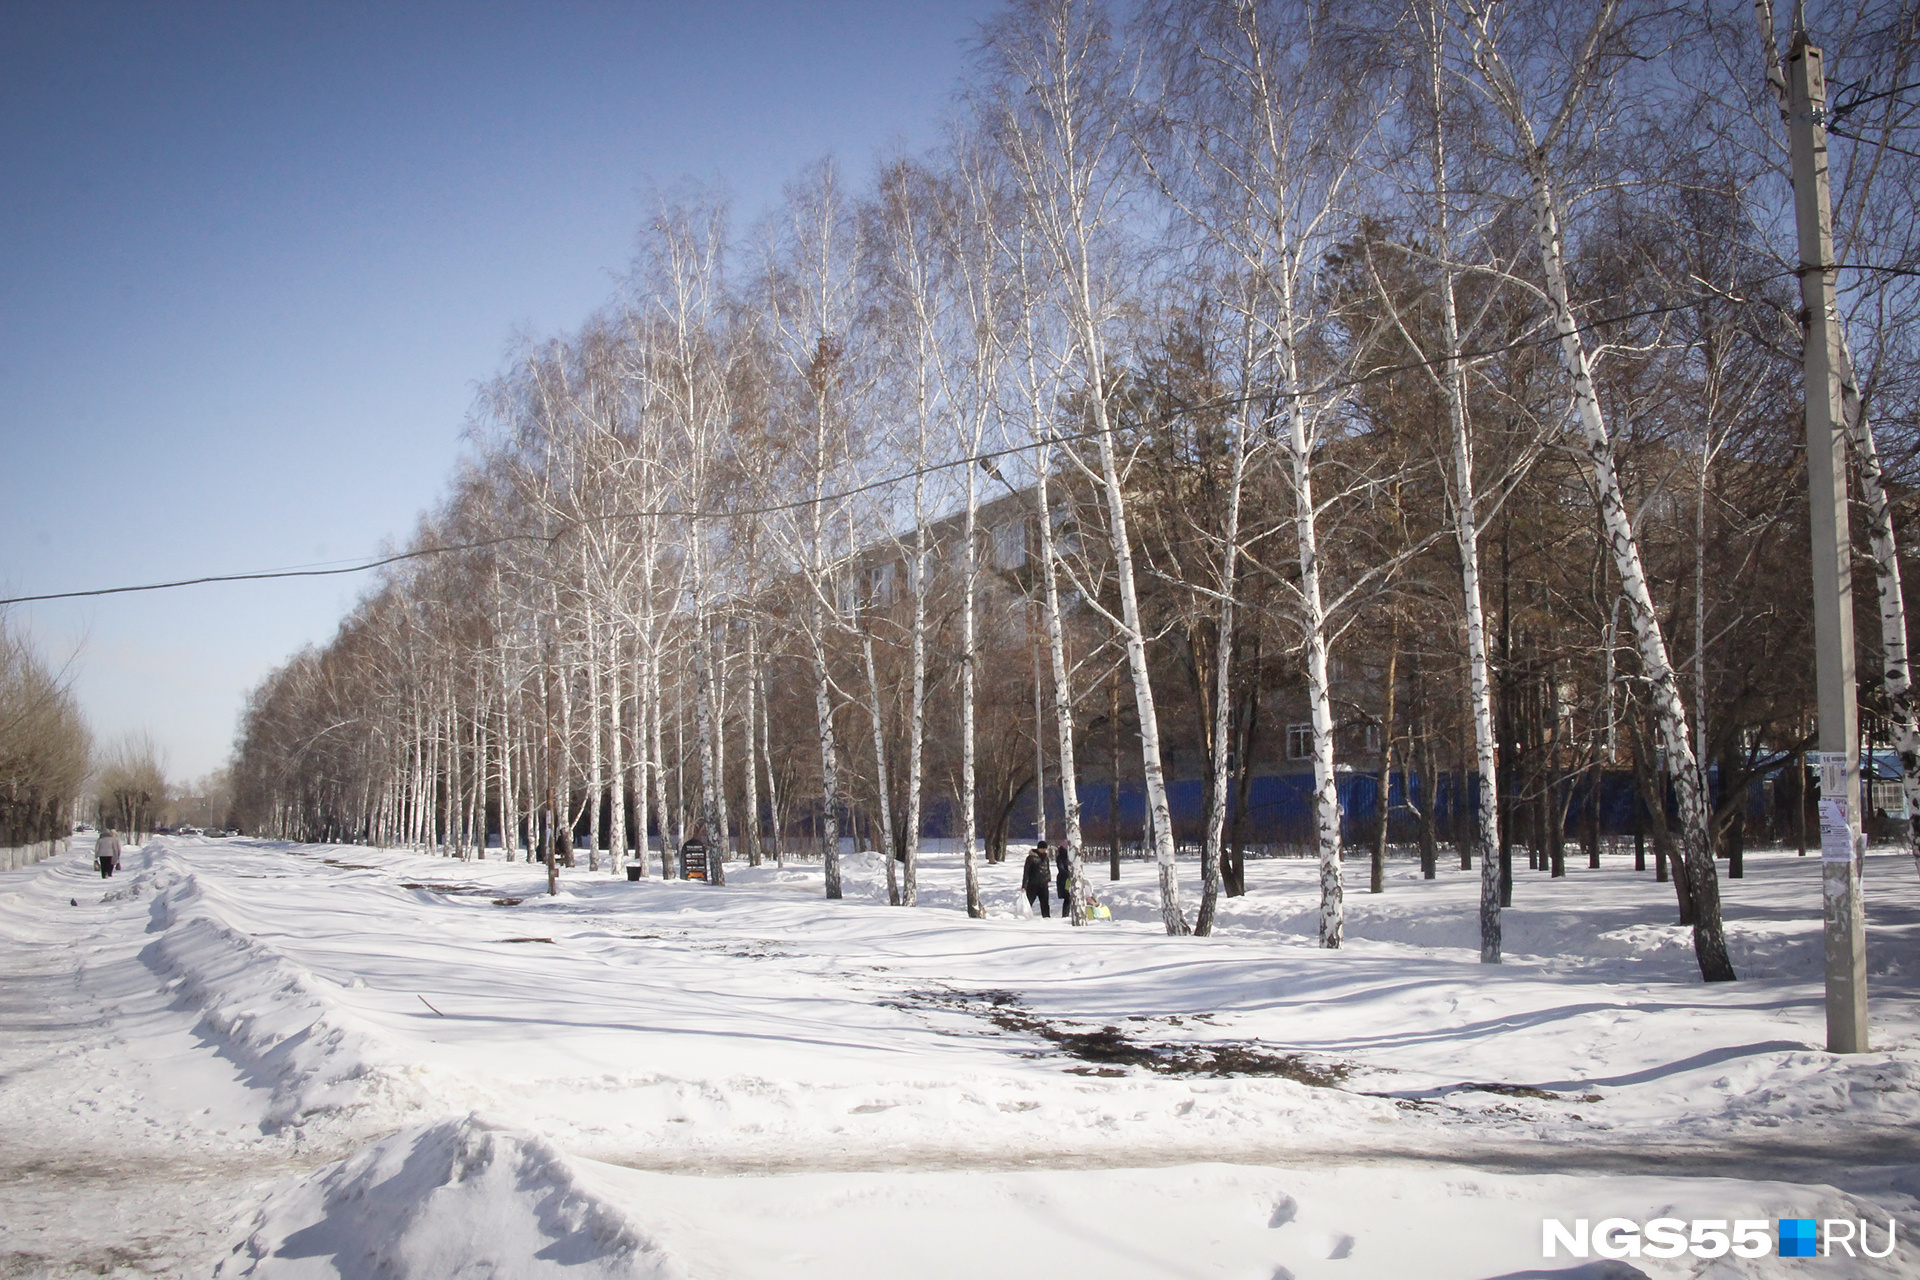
{"x":1111,"y":1051}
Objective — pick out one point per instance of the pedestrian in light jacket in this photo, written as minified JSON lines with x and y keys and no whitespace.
{"x":106,"y":851}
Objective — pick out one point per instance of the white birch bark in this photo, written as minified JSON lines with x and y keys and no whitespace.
{"x":509,"y":800}
{"x":1062,"y":137}
{"x":829,"y":760}
{"x":974,"y":388}
{"x":750,"y":824}
{"x":563,"y":814}
{"x":658,"y":762}
{"x":706,"y":730}
{"x":1213,"y":850}
{"x":1313,"y":625}
{"x":810,"y":300}
{"x":617,"y":751}
{"x":1896,"y":670}
{"x":1695,"y":838}
{"x":969,"y":653}
{"x":775,"y":810}
{"x":1710,"y":946}
{"x":1466,"y":532}
{"x":590,"y":630}
{"x":1078,"y":909}
{"x":882,"y":783}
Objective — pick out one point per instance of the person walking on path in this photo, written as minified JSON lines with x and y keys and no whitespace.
{"x":106,"y":851}
{"x":1064,"y":881}
{"x":1033,"y":877}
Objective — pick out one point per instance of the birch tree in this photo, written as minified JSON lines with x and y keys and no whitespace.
{"x":1058,"y":113}
{"x":1537,"y":145}
{"x":1268,"y":135}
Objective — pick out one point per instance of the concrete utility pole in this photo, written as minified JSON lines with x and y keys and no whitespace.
{"x":1841,"y":811}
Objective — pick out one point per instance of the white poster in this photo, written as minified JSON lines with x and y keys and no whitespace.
{"x":1836,"y":834}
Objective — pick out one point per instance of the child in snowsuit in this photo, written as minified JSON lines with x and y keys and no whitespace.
{"x":1033,"y":877}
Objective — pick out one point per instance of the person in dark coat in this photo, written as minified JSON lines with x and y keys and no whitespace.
{"x":1033,"y":877}
{"x":1064,"y":881}
{"x":106,"y":850}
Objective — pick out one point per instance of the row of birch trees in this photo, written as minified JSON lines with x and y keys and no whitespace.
{"x":1428,"y":367}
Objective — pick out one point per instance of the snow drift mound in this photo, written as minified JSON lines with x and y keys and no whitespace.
{"x":275,"y":1016}
{"x":462,"y":1197}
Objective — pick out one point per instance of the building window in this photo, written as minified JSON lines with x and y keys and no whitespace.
{"x":1300,"y":741}
{"x":1066,"y":533}
{"x":1010,"y":545}
{"x":883,"y":584}
{"x":1372,"y":747}
{"x":1890,"y":798}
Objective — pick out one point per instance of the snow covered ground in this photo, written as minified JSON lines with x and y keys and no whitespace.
{"x":253,"y":1059}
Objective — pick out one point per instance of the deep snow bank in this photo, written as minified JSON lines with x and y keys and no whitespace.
{"x":276,"y":1018}
{"x":462,"y":1197}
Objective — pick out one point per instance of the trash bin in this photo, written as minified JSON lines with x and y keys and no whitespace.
{"x":636,"y":870}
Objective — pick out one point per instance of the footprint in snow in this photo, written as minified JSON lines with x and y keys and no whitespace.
{"x":1330,"y":1244}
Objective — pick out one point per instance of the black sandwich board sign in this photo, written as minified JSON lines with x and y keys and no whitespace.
{"x":693,"y":861}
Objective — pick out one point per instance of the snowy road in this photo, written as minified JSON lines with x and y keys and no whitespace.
{"x":672,"y":1079}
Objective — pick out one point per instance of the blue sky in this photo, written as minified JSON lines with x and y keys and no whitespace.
{"x":255,"y":259}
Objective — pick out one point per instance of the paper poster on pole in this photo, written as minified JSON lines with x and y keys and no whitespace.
{"x":1833,"y":773}
{"x":1836,"y":833}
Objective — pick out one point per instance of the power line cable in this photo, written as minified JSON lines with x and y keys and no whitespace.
{"x":985,"y":458}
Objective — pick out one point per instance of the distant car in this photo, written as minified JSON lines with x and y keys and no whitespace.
{"x":187,"y":831}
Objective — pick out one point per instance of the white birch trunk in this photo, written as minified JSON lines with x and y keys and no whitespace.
{"x":969,"y":647}
{"x":1466,"y":532}
{"x":881,"y":781}
{"x":775,"y":811}
{"x":591,"y":627}
{"x":1155,"y":772}
{"x":1896,"y":672}
{"x":723,"y":809}
{"x":706,"y":730}
{"x":617,"y":765}
{"x":1709,"y":940}
{"x":1213,"y":847}
{"x":658,"y":763}
{"x":829,"y":759}
{"x":509,"y":799}
{"x":1313,"y":625}
{"x":750,"y":825}
{"x":1056,"y":154}
{"x":1078,"y":910}
{"x":1694,"y":836}
{"x":917,"y":725}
